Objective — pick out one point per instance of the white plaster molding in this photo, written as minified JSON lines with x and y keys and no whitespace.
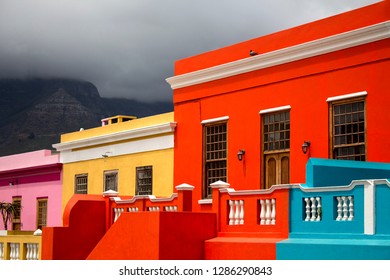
{"x":184,"y":187}
{"x":205,"y":201}
{"x":219,"y":185}
{"x":110,"y":193}
{"x":118,"y":136}
{"x":346,"y":96}
{"x":276,"y":109}
{"x":369,"y":207}
{"x":233,"y":192}
{"x":220,"y":119}
{"x":313,"y":48}
{"x":123,"y":148}
{"x":349,"y":187}
{"x":163,"y":199}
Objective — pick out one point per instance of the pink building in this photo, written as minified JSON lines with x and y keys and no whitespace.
{"x":34,"y":180}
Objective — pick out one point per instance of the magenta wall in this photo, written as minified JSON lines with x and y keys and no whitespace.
{"x":35,"y":175}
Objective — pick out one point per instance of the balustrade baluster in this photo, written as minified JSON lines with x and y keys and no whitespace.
{"x":28,"y":253}
{"x":262,"y":212}
{"x":115,"y":214}
{"x":241,"y":216}
{"x":307,"y":207}
{"x":339,"y":209}
{"x":231,"y":212}
{"x":273,"y":211}
{"x":1,"y":251}
{"x":267,"y":212}
{"x":237,"y":213}
{"x":12,"y":251}
{"x":313,"y":209}
{"x":319,"y":209}
{"x":34,"y":251}
{"x":345,"y":208}
{"x":351,"y":208}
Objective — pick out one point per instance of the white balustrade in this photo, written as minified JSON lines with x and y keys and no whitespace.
{"x":32,"y":251}
{"x":117,"y":213}
{"x":1,"y":251}
{"x":170,"y":208}
{"x":313,"y":209}
{"x":133,"y":209}
{"x":14,"y":251}
{"x":345,"y":208}
{"x":154,"y":209}
{"x":267,"y":211}
{"x":236,"y":212}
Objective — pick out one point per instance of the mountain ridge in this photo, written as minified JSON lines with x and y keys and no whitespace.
{"x":35,"y":112}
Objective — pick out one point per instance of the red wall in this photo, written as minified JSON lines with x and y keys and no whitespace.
{"x":304,"y":85}
{"x":81,"y":231}
{"x":156,"y":236}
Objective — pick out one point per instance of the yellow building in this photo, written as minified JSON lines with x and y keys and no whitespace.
{"x":128,"y":155}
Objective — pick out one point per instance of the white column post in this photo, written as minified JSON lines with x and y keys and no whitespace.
{"x":369,"y":208}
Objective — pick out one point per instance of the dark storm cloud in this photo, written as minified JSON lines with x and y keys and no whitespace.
{"x":128,"y":48}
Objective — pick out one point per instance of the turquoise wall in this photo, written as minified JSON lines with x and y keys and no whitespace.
{"x":328,"y":172}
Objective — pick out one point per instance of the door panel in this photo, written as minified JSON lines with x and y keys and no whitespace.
{"x":277,"y":169}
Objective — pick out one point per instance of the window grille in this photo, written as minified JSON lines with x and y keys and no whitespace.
{"x":81,"y":184}
{"x":111,"y":180}
{"x":41,"y":212}
{"x":215,"y":154}
{"x":144,"y":180}
{"x":348,"y":130}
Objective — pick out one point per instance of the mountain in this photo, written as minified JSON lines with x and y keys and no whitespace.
{"x":35,"y":112}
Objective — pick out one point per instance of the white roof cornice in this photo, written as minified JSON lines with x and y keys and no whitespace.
{"x":118,"y":136}
{"x":321,"y":46}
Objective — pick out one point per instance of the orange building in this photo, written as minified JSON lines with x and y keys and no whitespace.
{"x":323,"y":84}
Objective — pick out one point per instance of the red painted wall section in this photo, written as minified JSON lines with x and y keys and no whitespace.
{"x":305,"y":86}
{"x":252,"y":226}
{"x":84,"y":226}
{"x":354,"y":19}
{"x":156,"y":236}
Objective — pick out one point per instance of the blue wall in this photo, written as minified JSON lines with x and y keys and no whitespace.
{"x":328,"y":224}
{"x":329,"y":239}
{"x":330,"y":172}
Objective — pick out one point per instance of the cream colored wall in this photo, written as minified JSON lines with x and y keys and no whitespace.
{"x":161,"y":160}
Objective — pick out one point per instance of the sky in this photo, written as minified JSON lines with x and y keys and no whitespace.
{"x":127,"y":48}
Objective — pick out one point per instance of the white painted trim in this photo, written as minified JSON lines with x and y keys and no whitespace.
{"x":118,"y":136}
{"x":185,"y":187}
{"x":163,"y":199}
{"x":347,"y":96}
{"x":369,"y":208}
{"x":276,"y":109}
{"x":220,"y":119}
{"x":124,"y":148}
{"x":205,"y":201}
{"x":313,"y":48}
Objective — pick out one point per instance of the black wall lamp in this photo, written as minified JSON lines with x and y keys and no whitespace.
{"x":305,"y":146}
{"x":240,"y":154}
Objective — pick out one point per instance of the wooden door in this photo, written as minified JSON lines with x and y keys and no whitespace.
{"x":277,"y":169}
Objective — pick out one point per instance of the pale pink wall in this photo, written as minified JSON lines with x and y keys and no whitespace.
{"x":38,"y":175}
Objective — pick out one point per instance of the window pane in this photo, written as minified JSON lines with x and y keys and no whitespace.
{"x":81,"y":184}
{"x":144,"y":180}
{"x":276,"y":131}
{"x":349,"y":130}
{"x":215,"y":154}
{"x":111,"y":181}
